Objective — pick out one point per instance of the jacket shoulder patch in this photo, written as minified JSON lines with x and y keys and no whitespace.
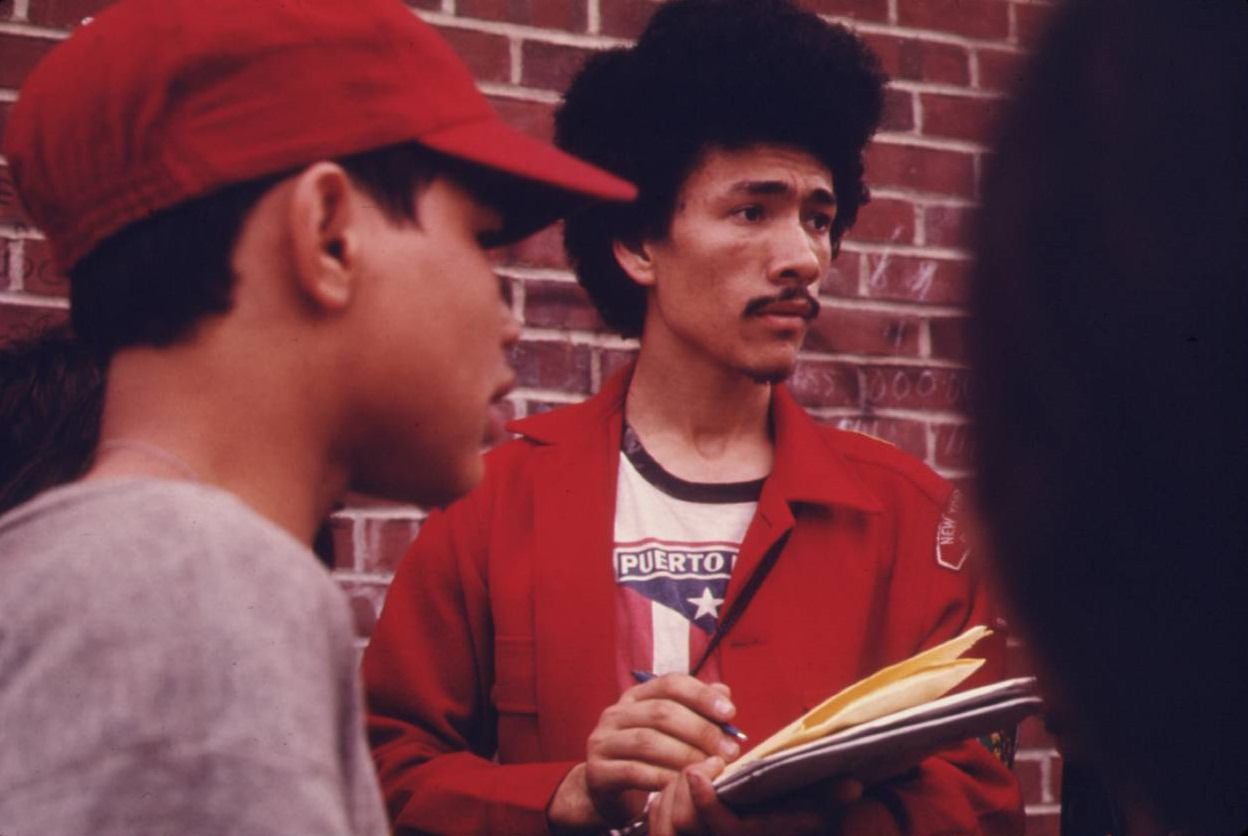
{"x":952,"y":548}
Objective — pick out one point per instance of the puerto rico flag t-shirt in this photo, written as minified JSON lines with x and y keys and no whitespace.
{"x":676,"y":543}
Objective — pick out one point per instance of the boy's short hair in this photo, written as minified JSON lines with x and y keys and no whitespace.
{"x":151,"y":282}
{"x":51,"y":393}
{"x":711,"y":74}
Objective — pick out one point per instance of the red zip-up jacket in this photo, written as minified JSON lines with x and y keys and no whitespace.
{"x":495,"y":652}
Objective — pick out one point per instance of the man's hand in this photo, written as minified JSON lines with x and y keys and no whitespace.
{"x":640,"y":745}
{"x":689,"y":805}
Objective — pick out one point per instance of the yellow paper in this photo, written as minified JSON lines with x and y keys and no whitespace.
{"x":921,"y":678}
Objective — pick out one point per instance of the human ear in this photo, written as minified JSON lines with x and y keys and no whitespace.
{"x":635,"y":258}
{"x":323,"y":221}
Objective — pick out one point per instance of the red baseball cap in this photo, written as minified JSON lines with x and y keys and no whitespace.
{"x":155,"y":102}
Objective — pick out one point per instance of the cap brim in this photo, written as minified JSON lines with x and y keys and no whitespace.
{"x":544,"y":183}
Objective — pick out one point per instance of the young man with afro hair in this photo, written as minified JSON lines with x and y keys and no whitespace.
{"x":691,"y":520}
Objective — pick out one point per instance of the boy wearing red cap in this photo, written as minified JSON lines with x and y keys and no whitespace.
{"x":272,"y":216}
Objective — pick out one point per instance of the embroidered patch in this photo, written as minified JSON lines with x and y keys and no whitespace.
{"x":952,"y":548}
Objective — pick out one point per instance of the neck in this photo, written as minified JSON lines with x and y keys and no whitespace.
{"x":701,"y":421}
{"x":177,"y":413}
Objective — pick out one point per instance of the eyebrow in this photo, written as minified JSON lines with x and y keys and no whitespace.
{"x":763,"y":188}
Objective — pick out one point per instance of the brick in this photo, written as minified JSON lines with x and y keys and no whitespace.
{"x":545,"y":249}
{"x":1031,"y":778}
{"x":487,"y":55}
{"x":65,"y":14}
{"x":916,"y":279}
{"x":1032,"y":734}
{"x":909,"y":387}
{"x":6,"y":108}
{"x":1031,"y":20}
{"x":898,"y":111}
{"x":9,"y":265}
{"x":953,"y":447}
{"x":551,"y":66}
{"x":21,"y":53}
{"x":385,"y":541}
{"x":841,"y":330}
{"x":1040,"y":778}
{"x":947,"y":226}
{"x":39,"y":273}
{"x":341,"y":542}
{"x":611,"y":360}
{"x":1044,"y":824}
{"x":534,"y":118}
{"x":11,"y":210}
{"x":568,"y":15}
{"x":905,"y":435}
{"x":552,"y":365}
{"x":885,"y":220}
{"x":841,"y":279}
{"x":930,"y":170}
{"x":855,"y":9}
{"x":625,"y":18}
{"x":367,"y":501}
{"x":999,"y":69}
{"x":959,"y":117}
{"x":914,"y":59}
{"x":987,"y":19}
{"x":948,"y":337}
{"x":933,"y":62}
{"x":366,"y":599}
{"x":537,"y":407}
{"x":553,"y":304}
{"x":825,"y":383}
{"x":21,"y":321}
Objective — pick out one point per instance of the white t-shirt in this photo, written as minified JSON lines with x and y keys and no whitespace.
{"x":676,"y":543}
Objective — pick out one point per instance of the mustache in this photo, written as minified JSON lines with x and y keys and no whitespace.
{"x":757,"y":306}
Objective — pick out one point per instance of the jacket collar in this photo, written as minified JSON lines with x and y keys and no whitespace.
{"x":808,"y":467}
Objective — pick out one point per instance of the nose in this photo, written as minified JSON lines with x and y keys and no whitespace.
{"x":798,"y":256}
{"x":510,"y":334}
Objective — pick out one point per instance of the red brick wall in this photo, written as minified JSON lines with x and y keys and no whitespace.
{"x":887,"y":354}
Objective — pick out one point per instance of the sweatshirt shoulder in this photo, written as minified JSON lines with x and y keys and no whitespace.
{"x":885,"y":468}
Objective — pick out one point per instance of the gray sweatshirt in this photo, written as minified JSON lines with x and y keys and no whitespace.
{"x":172,"y":663}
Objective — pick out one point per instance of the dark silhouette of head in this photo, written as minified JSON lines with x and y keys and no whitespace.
{"x":1110,"y":349}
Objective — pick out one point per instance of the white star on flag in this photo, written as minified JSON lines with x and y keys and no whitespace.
{"x":708,"y":604}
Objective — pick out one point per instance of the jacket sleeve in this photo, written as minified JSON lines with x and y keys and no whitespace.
{"x":428,"y":673}
{"x":939,"y":592}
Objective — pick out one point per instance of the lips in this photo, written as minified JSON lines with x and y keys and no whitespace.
{"x":793,"y":302}
{"x":801,"y":310}
{"x":498,"y":413}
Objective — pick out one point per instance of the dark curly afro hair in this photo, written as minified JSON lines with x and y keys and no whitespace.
{"x":710,"y":74}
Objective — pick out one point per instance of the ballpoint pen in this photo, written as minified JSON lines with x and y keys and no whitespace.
{"x":728,"y":728}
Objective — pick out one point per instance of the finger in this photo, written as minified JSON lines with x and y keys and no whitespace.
{"x":660,"y":815}
{"x":616,"y":776}
{"x":845,"y":791}
{"x":704,"y":699}
{"x":620,"y":731}
{"x":710,"y":810}
{"x":684,"y":815}
{"x":657,"y":748}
